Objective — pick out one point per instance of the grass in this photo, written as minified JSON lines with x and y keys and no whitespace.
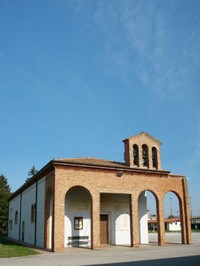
{"x":10,"y":249}
{"x":195,"y":230}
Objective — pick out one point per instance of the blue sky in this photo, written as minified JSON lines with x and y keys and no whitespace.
{"x":78,"y":77}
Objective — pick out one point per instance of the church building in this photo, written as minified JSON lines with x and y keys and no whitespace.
{"x":89,"y":202}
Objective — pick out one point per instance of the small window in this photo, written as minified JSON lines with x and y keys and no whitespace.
{"x":145,"y":158}
{"x":135,"y":155}
{"x":78,"y":223}
{"x":16,"y":217}
{"x":154,"y":158}
{"x":10,"y":225}
{"x":33,"y":213}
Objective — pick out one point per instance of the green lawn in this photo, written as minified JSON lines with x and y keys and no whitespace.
{"x":195,"y":230}
{"x":10,"y":249}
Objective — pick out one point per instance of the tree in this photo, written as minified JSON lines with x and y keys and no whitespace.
{"x":32,"y":172}
{"x":4,"y":196}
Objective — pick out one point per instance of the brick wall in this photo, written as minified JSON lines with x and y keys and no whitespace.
{"x":98,"y":181}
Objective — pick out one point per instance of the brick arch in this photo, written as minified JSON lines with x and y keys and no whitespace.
{"x":181,"y":210}
{"x":49,"y":193}
{"x":48,"y":219}
{"x":78,"y":186}
{"x":154,"y":157}
{"x":175,"y":192}
{"x":78,"y":213}
{"x":155,"y":194}
{"x":143,"y":214}
{"x":178,"y":197}
{"x":180,"y":200}
{"x":145,"y":155}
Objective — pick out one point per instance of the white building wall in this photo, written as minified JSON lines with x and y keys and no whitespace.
{"x":40,"y":213}
{"x":117,"y":206}
{"x":13,"y":207}
{"x":28,"y":198}
{"x":174,"y":226}
{"x":143,"y":218}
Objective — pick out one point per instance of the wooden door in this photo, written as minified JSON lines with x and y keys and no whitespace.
{"x":103,"y":229}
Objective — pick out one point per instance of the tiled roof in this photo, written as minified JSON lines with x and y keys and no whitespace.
{"x":90,"y":161}
{"x":167,"y":220}
{"x":144,"y":134}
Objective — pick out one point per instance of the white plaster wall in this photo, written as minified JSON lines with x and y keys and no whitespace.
{"x":14,"y":206}
{"x":40,"y":213}
{"x":117,"y":206}
{"x":78,"y":204}
{"x":28,"y":198}
{"x":143,"y":218}
{"x":122,"y":229}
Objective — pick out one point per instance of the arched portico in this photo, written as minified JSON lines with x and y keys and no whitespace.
{"x":176,"y":211}
{"x":77,"y":231}
{"x":49,"y":219}
{"x":143,"y":215}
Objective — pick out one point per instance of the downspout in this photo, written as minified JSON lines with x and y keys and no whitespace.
{"x":36,"y":202}
{"x":20,"y":215}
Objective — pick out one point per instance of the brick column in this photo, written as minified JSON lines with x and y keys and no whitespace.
{"x":134,"y":221}
{"x":185,"y":215}
{"x":58,"y":218}
{"x":159,"y":159}
{"x":48,"y":212}
{"x":150,"y":158}
{"x":140,"y":155}
{"x":161,"y":222}
{"x":95,"y":221}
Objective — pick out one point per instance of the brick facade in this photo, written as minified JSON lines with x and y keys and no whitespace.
{"x":99,"y":181}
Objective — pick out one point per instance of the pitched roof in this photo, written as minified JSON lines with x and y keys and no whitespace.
{"x":144,"y":134}
{"x":90,"y":161}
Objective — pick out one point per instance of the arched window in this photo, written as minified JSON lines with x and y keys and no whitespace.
{"x":135,"y":155}
{"x":154,"y":158}
{"x":145,"y":158}
{"x":33,"y":212}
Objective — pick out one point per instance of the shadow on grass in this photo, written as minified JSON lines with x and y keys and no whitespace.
{"x":10,"y":249}
{"x":182,"y":261}
{"x":4,"y":241}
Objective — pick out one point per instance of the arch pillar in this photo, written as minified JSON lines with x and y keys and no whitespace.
{"x":49,"y":213}
{"x":140,"y":156}
{"x":185,"y":215}
{"x":134,"y":221}
{"x":58,"y":219}
{"x":150,"y":158}
{"x":161,"y":221}
{"x":48,"y":219}
{"x":95,"y":234}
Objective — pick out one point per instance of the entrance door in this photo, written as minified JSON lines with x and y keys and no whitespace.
{"x":103,"y":229}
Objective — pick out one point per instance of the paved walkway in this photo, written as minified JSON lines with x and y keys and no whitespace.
{"x":147,"y":255}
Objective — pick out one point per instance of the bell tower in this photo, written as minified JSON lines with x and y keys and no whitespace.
{"x":142,"y":151}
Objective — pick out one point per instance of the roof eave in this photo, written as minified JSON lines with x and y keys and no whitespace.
{"x":34,"y":179}
{"x":108,"y":167}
